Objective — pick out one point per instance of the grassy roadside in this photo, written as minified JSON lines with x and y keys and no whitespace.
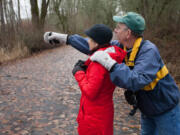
{"x":16,"y":52}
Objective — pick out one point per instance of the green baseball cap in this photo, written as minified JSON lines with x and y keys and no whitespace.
{"x":133,"y":21}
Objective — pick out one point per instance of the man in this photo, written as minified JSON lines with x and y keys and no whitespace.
{"x":143,"y":73}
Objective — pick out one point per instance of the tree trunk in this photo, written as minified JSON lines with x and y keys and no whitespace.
{"x":44,"y":7}
{"x":5,"y":11}
{"x":60,"y":14}
{"x":2,"y":17}
{"x":19,"y":12}
{"x":12,"y":17}
{"x":35,"y":13}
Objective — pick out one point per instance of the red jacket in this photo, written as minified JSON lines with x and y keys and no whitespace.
{"x":96,"y":110}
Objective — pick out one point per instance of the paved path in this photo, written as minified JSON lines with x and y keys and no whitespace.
{"x":39,"y":96}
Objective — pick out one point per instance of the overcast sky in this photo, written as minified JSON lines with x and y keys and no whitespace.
{"x":25,"y":8}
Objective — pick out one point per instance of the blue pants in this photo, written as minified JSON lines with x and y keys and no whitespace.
{"x":165,"y":124}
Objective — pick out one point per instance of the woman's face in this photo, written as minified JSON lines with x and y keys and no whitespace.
{"x":92,"y":44}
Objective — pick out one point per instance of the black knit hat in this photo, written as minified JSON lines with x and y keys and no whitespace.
{"x":100,"y":33}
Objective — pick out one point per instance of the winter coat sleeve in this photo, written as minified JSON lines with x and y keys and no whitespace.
{"x":91,"y":83}
{"x":146,"y":66}
{"x":81,"y":43}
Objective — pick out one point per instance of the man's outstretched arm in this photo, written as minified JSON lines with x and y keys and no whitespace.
{"x":78,"y":43}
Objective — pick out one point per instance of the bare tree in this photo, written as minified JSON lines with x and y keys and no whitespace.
{"x":61,"y":13}
{"x":19,"y":12}
{"x":5,"y":8}
{"x":12,"y":16}
{"x":2,"y":17}
{"x":38,"y":19}
{"x":44,"y":7}
{"x":35,"y":13}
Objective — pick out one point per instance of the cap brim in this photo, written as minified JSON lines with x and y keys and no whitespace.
{"x":118,"y":19}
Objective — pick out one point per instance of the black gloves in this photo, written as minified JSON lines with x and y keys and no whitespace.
{"x":79,"y":66}
{"x":130,"y":97}
{"x":80,"y":63}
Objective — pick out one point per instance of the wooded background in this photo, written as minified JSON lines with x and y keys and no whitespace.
{"x":20,"y":37}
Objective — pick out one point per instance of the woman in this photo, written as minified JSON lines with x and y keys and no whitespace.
{"x":96,"y":110}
